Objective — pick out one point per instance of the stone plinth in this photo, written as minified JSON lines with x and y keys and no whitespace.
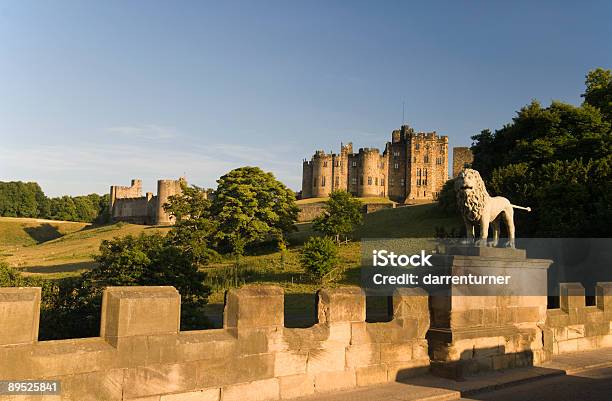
{"x":477,"y":328}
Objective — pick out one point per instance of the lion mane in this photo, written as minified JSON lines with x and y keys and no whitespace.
{"x":471,"y":201}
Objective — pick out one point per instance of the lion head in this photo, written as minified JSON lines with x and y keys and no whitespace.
{"x":471,"y":194}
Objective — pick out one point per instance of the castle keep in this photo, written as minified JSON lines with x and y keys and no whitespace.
{"x":127,"y":203}
{"x":413,"y":166}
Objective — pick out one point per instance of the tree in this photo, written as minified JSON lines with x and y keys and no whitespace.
{"x":151,"y":260}
{"x":195,"y":227}
{"x":319,"y":256}
{"x":557,"y":160}
{"x":598,"y":91}
{"x":250,"y":206}
{"x":341,"y":217}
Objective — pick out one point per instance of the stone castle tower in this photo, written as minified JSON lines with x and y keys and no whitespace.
{"x":413,"y":167}
{"x":127,"y":203}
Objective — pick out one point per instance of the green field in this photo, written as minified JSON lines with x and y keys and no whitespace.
{"x":60,"y":249}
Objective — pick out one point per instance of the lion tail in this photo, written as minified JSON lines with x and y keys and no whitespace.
{"x":522,"y":208}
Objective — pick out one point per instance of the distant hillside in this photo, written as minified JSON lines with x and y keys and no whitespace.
{"x":48,"y":246}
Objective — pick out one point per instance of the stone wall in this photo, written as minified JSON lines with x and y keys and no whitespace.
{"x":310,"y":211}
{"x":462,"y":157}
{"x":144,"y":356}
{"x":575,"y":326}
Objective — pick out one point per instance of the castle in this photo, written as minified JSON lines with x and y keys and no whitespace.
{"x":127,"y":203}
{"x":413,"y":167}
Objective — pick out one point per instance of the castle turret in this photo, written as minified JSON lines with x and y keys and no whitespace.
{"x":371,"y":173}
{"x":321,"y":174}
{"x":306,"y":179}
{"x":165,"y":189}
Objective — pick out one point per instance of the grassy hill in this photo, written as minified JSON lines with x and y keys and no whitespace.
{"x":57,"y":248}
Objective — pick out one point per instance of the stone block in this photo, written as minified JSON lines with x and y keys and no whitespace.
{"x":410,"y":302}
{"x":220,"y":372}
{"x":603,"y":296}
{"x":571,"y":296}
{"x":296,"y":386}
{"x":567,"y":346}
{"x":290,"y":363}
{"x":326,"y":360}
{"x":334,"y":381}
{"x":106,"y":385}
{"x":524,"y":314}
{"x":144,"y":381}
{"x":19,"y":315}
{"x":371,"y":375}
{"x":398,"y":352}
{"x":211,"y":394}
{"x":575,"y":331}
{"x":254,"y":306}
{"x":420,"y":349}
{"x":363,"y":355}
{"x":344,"y":304}
{"x":128,"y":311}
{"x":587,"y":343}
{"x":260,"y":390}
{"x":467,"y":318}
{"x":403,"y":370}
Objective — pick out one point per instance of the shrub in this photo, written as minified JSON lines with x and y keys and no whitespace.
{"x":319,"y":257}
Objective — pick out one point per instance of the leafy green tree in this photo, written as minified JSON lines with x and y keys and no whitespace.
{"x":195,"y":227}
{"x":251,"y":206}
{"x":341,"y":217}
{"x":319,"y":257}
{"x":556,"y":160}
{"x":598,"y":91}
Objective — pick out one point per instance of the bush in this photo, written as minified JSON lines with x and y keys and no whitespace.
{"x":341,"y":217}
{"x":319,"y":257}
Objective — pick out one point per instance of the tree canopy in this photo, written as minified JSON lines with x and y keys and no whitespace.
{"x":249,"y":206}
{"x":556,"y":159}
{"x":341,"y":217}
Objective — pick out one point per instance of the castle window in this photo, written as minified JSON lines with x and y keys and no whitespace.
{"x":354,"y":181}
{"x":424,"y":193}
{"x":402,"y":183}
{"x":418,"y":182}
{"x":441,"y":149}
{"x":376,"y":181}
{"x":426,"y":159}
{"x":396,"y":166}
{"x":425,"y":173}
{"x":396,"y":153}
{"x":323,"y":181}
{"x":361,"y":180}
{"x":418,"y":172}
{"x":337,"y":181}
{"x":354,"y":164}
{"x":416,"y":146}
{"x":382,"y":182}
{"x":369,"y":180}
{"x":324,"y":164}
{"x":414,"y":159}
{"x":390,"y":182}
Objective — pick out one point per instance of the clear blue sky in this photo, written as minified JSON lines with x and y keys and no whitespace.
{"x":95,"y":93}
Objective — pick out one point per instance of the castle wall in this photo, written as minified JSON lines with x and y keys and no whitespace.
{"x":141,"y":355}
{"x":575,"y":326}
{"x":144,"y":355}
{"x":428,"y":166}
{"x":127,"y":203}
{"x":462,"y":157}
{"x":134,"y":210}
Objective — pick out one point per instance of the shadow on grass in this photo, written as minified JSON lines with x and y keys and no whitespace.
{"x":43,"y":233}
{"x":63,"y":268}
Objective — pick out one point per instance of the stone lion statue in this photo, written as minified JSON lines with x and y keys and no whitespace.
{"x":478,"y":208}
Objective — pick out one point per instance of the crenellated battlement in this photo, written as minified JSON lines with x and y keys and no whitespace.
{"x":574,"y":326}
{"x":142,"y":353}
